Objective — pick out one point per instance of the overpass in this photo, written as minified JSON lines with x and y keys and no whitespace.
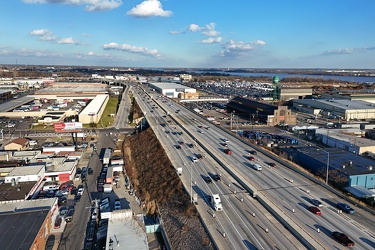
{"x":207,"y":99}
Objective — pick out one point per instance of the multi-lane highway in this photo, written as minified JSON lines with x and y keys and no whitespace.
{"x":285,"y":192}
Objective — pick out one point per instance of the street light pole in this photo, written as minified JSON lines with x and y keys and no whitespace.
{"x":327,"y":164}
{"x":191,"y":184}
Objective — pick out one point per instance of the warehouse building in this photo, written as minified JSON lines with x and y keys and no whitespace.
{"x":262,"y":112}
{"x":286,"y":93}
{"x":341,"y":109}
{"x":174,"y":90}
{"x":94,"y":110}
{"x":344,"y":169}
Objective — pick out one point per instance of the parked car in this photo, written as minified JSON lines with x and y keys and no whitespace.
{"x":63,"y":211}
{"x":315,"y":210}
{"x":90,"y":171}
{"x":73,"y":191}
{"x":69,"y":215}
{"x":345,"y":207}
{"x":343,"y":239}
{"x":50,"y":242}
{"x":62,"y":200}
{"x":77,"y":198}
{"x":117,"y":204}
{"x":80,"y":190}
{"x":58,"y":221}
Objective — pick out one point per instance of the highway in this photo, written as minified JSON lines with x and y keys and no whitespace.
{"x":284,"y":190}
{"x":236,"y":227}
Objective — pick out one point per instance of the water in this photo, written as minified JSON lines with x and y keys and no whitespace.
{"x":358,"y":79}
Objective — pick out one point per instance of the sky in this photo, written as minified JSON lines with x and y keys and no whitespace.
{"x":189,"y":33}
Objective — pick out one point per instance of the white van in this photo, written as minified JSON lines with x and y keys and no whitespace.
{"x":257,"y":167}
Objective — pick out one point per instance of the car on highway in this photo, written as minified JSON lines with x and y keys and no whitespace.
{"x":251,"y":158}
{"x":315,"y":210}
{"x":253,"y":152}
{"x":272,"y":164}
{"x":216,"y":177}
{"x":190,"y":145}
{"x":178,"y":147}
{"x":345,"y":207}
{"x":207,"y":179}
{"x":181,"y":142}
{"x":316,"y":202}
{"x":194,"y":159}
{"x":224,"y":144}
{"x":201,"y":131}
{"x":199,"y":156}
{"x":343,"y":239}
{"x":58,"y":221}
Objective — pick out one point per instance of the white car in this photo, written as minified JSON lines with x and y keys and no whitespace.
{"x":80,"y":191}
{"x":194,"y":159}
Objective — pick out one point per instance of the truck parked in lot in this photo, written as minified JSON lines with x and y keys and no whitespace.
{"x":216,"y":202}
{"x":107,"y":156}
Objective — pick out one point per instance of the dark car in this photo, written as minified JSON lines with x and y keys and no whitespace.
{"x":50,"y":242}
{"x":199,"y":156}
{"x":58,"y":221}
{"x":77,"y":198}
{"x":90,"y":171}
{"x":315,"y":210}
{"x":224,"y":144}
{"x":345,"y":207}
{"x":272,"y":164}
{"x":62,"y":200}
{"x":343,"y":239}
{"x":83,"y":176}
{"x":69,"y":215}
{"x":190,"y":145}
{"x":208,"y":179}
{"x":178,"y":146}
{"x":79,"y":171}
{"x":216,"y":177}
{"x":253,"y":152}
{"x":73,"y":191}
{"x":316,"y":202}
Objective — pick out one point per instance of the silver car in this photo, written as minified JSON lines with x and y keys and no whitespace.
{"x":316,"y":202}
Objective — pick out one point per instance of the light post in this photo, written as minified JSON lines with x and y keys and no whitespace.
{"x":327,"y":164}
{"x":191,"y":184}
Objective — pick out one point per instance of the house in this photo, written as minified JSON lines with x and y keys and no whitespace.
{"x":17,"y":145}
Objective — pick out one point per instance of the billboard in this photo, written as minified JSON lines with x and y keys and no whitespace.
{"x":61,"y":127}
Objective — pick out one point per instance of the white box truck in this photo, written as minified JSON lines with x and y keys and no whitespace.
{"x":216,"y":202}
{"x":257,"y":167}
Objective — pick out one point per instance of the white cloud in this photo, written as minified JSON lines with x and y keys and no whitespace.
{"x":131,"y":49}
{"x":210,"y":30}
{"x":212,"y":40}
{"x":90,"y":53}
{"x":149,"y":8}
{"x":68,"y":40}
{"x":339,"y":52}
{"x":90,"y":5}
{"x":194,"y":27}
{"x":41,"y":32}
{"x":233,"y":48}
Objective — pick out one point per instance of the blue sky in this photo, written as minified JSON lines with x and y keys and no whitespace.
{"x":189,"y":33}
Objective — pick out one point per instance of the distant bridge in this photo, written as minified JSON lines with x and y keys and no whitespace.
{"x":207,"y":99}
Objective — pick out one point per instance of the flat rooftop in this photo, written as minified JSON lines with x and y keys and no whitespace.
{"x":124,"y":232}
{"x":340,"y":104}
{"x":13,"y":225}
{"x":15,"y":103}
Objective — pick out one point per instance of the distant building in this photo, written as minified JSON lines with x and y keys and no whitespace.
{"x":286,"y":93}
{"x":263,"y":112}
{"x":17,"y":145}
{"x":174,"y":90}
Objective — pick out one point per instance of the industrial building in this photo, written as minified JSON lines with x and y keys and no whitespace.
{"x":286,"y":92}
{"x":92,"y":113}
{"x":349,"y":140}
{"x":174,"y":90}
{"x":345,"y":169}
{"x":332,"y":108}
{"x":26,"y":224}
{"x":263,"y":112}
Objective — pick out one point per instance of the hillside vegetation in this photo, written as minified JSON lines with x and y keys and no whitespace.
{"x":161,"y":191}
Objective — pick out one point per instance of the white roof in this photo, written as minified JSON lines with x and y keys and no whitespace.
{"x":11,"y":206}
{"x":125,"y":237}
{"x":95,"y":105}
{"x":169,"y":85}
{"x":26,"y":170}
